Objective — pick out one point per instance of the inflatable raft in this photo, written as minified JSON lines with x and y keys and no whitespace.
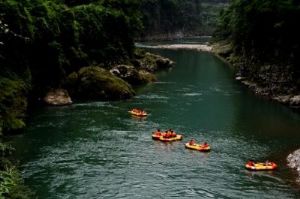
{"x":170,"y":139}
{"x":138,"y":113}
{"x":157,"y":135}
{"x":260,"y":166}
{"x":198,"y":147}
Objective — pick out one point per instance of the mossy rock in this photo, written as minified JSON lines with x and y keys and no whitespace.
{"x":131,"y":75}
{"x":147,"y":77}
{"x":151,"y":62}
{"x":95,"y":83}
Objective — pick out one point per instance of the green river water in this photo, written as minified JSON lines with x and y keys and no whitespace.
{"x":97,"y":150}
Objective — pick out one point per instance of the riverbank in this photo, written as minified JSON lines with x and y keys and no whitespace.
{"x":198,"y":47}
{"x":272,"y":81}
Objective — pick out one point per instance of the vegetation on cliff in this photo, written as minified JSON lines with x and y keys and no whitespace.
{"x":11,"y":182}
{"x":177,"y":18}
{"x":43,"y":41}
{"x":262,"y":41}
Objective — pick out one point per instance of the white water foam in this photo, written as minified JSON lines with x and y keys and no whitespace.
{"x":192,"y":94}
{"x":152,"y":97}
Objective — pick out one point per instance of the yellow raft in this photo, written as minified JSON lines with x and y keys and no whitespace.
{"x":260,"y":166}
{"x":198,"y":147}
{"x":156,"y":135}
{"x":171,"y":139}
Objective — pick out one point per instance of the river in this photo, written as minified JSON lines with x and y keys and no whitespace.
{"x":97,"y":150}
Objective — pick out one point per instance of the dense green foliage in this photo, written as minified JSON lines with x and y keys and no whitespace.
{"x":57,"y":39}
{"x":13,"y":103}
{"x":265,"y":29}
{"x":42,"y":41}
{"x":265,"y":41}
{"x":197,"y":17}
{"x":11,"y":183}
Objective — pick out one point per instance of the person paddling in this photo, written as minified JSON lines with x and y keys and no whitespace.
{"x":251,"y":163}
{"x":192,"y":142}
{"x":158,"y":133}
{"x":205,"y":144}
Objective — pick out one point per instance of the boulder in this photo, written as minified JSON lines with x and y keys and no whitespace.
{"x":293,"y":160}
{"x":95,"y":83}
{"x":152,"y":63}
{"x":132,"y":75}
{"x":57,"y":97}
{"x":285,"y":99}
{"x":295,"y":100}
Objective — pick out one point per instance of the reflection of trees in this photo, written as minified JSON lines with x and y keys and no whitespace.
{"x":262,"y":118}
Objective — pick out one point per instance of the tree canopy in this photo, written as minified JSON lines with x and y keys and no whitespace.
{"x":266,"y":29}
{"x":189,"y":16}
{"x":57,"y":37}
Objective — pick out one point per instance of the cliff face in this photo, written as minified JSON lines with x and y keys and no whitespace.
{"x":276,"y":81}
{"x":259,"y":38}
{"x":166,"y":19}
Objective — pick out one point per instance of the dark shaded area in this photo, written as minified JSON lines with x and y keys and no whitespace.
{"x":177,"y":18}
{"x":264,"y":42}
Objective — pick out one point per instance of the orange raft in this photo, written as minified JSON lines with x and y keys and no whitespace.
{"x":157,"y":135}
{"x":171,"y":139}
{"x":138,"y":112}
{"x":261,"y":166}
{"x":198,"y":147}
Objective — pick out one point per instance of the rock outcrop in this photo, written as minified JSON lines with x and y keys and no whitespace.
{"x":294,"y":161}
{"x":132,"y":75}
{"x":151,"y":62}
{"x":273,"y":81}
{"x":58,"y":97}
{"x":95,"y":83}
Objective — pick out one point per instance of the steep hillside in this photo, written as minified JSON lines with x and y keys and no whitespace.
{"x":261,"y":39}
{"x":176,"y":18}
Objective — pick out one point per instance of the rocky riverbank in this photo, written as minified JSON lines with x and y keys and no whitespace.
{"x":272,"y":81}
{"x":198,"y":47}
{"x":294,"y":161}
{"x":109,"y":83}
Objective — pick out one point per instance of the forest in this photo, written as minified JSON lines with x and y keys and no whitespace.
{"x":262,"y":42}
{"x":43,"y":41}
{"x":174,"y":18}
